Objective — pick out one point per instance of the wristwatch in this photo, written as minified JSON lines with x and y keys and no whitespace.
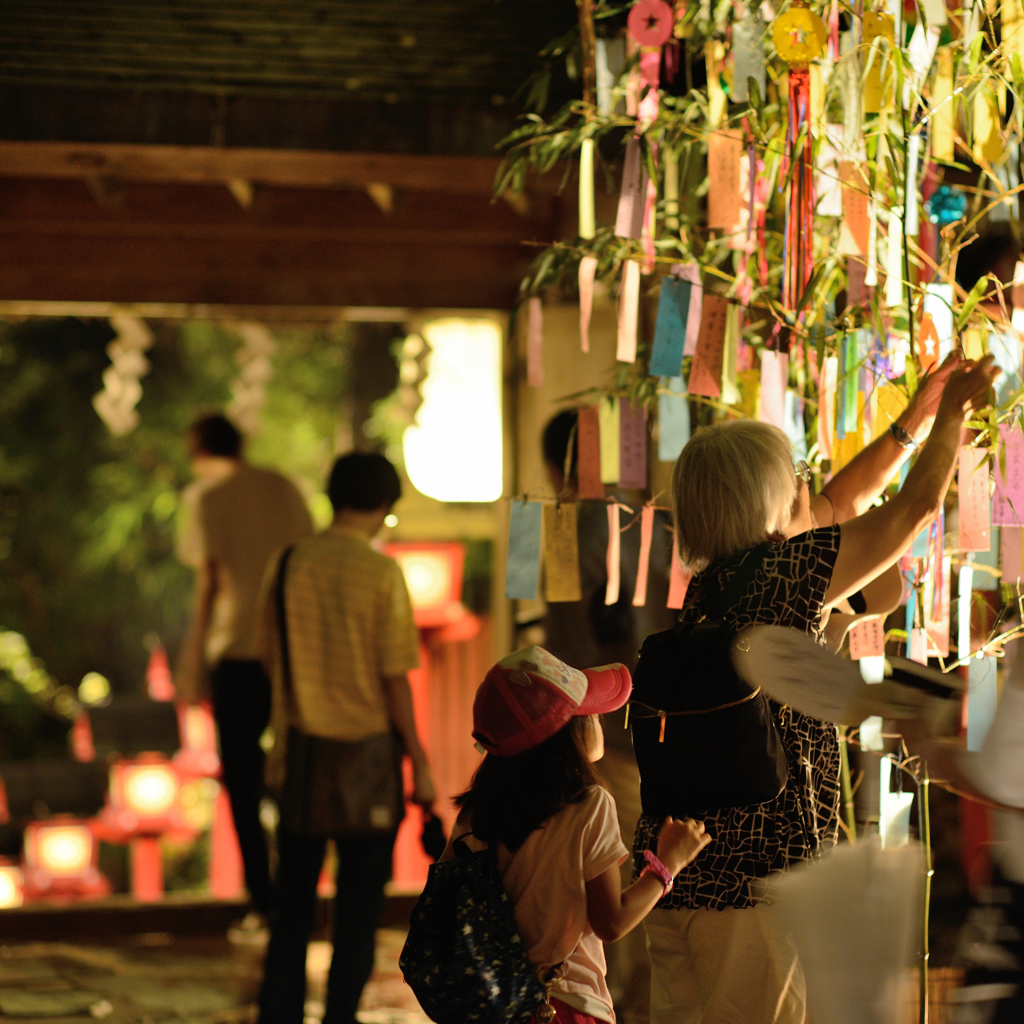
{"x":902,"y":438}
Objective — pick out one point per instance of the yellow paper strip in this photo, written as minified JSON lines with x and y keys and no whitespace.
{"x":878,"y":81}
{"x":730,"y":386}
{"x":942,"y":98}
{"x":988,"y":146}
{"x":561,"y":553}
{"x":608,"y":424}
{"x":587,"y":223}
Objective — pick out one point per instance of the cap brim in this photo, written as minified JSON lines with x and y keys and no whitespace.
{"x":608,"y":688}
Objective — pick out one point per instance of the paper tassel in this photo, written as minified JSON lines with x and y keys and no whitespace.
{"x":827,"y":405}
{"x":942,"y":108}
{"x":673,"y":419}
{"x":535,"y":344}
{"x":643,"y":566}
{"x":629,"y":308}
{"x":1008,"y":500}
{"x":608,"y":419}
{"x":670,"y":328}
{"x":973,"y":501}
{"x":678,"y":580}
{"x":588,"y":447}
{"x":613,"y":560}
{"x":632,"y":445}
{"x":588,"y":268}
{"x":774,"y":374}
{"x":587,"y":225}
{"x":706,"y":371}
{"x":633,"y":193}
{"x":561,"y":553}
{"x":522,"y":569}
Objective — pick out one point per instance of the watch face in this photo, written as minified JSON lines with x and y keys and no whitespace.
{"x":799,"y":35}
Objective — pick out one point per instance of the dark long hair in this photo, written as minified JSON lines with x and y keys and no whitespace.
{"x":510,"y":797}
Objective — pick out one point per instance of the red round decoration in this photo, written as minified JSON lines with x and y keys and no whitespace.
{"x":651,"y":22}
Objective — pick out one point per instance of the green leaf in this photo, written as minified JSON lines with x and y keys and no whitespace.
{"x":977,"y":293}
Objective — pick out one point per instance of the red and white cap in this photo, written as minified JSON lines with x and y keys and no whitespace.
{"x":529,"y":695}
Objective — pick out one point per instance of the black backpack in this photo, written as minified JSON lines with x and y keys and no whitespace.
{"x":704,"y":740}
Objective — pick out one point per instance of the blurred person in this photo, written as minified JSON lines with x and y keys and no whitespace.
{"x":341,"y":693}
{"x":746,"y":521}
{"x":536,"y":800}
{"x":236,"y":518}
{"x":589,"y":632}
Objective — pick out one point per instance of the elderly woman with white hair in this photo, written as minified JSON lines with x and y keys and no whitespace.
{"x":743,"y":514}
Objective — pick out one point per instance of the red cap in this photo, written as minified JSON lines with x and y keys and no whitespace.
{"x":529,"y":695}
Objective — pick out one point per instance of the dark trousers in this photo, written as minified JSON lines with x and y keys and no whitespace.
{"x":364,"y":866}
{"x":241,"y":706}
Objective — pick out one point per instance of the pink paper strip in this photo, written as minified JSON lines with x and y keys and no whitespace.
{"x":1011,"y":554}
{"x":678,"y":580}
{"x":611,"y":593}
{"x":937,"y":617}
{"x":644,"y":565}
{"x":535,"y":344}
{"x":632,"y":194}
{"x":632,"y":444}
{"x":629,"y":303}
{"x":827,"y":406}
{"x":919,"y":646}
{"x":867,"y":639}
{"x":1008,"y":502}
{"x":691,"y":272}
{"x":774,"y":377}
{"x":588,"y":267}
{"x":973,"y":502}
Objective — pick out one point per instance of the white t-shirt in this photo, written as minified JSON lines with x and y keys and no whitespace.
{"x":546,"y":881}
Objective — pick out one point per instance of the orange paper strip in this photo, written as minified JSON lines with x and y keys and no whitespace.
{"x":974,"y":502}
{"x":644,"y":565}
{"x":678,"y":581}
{"x":724,"y":151}
{"x":853,"y":237}
{"x":613,"y":559}
{"x":588,"y":267}
{"x":706,"y":371}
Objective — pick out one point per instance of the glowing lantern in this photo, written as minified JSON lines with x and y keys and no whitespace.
{"x":144,"y":796}
{"x":433,"y":574}
{"x":12,"y":886}
{"x":60,"y":857}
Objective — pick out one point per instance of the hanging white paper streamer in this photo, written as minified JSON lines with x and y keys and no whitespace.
{"x":748,"y":55}
{"x":894,"y":263}
{"x":115,"y":404}
{"x":629,"y":304}
{"x":921,"y":50}
{"x":911,"y":197}
{"x":871,"y":273}
{"x":963,"y":609}
{"x":871,"y":734}
{"x":610,"y":59}
{"x":981,"y":700}
{"x":935,"y":12}
{"x":248,"y":392}
{"x":629,"y":218}
{"x":893,"y":811}
{"x":826,"y":173}
{"x":938,"y":300}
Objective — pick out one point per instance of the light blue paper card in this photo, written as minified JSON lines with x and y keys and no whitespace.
{"x":793,"y":416}
{"x":523,"y":568}
{"x":673,"y":419}
{"x":981,"y":700}
{"x":670,"y":328}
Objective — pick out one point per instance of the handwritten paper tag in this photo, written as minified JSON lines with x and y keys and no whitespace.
{"x":748,"y":56}
{"x":1008,"y":500}
{"x":724,"y":150}
{"x":670,"y":327}
{"x":561,"y":553}
{"x":678,"y":580}
{"x":644,"y":564}
{"x":1011,"y":554}
{"x":535,"y":344}
{"x":691,"y":272}
{"x":608,"y":420}
{"x":632,"y":444}
{"x":614,"y":556}
{"x":937,"y":613}
{"x":774,"y":376}
{"x":523,"y":566}
{"x":973,"y":501}
{"x":853,"y":237}
{"x":588,"y":447}
{"x":629,"y":305}
{"x":706,"y":371}
{"x":827,"y":405}
{"x":673,"y":419}
{"x":867,"y":638}
{"x":588,"y":268}
{"x":633,"y":193}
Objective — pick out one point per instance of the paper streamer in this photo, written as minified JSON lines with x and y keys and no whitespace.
{"x":937,"y":619}
{"x":912,"y":197}
{"x":894,"y":262}
{"x":670,"y":328}
{"x":588,"y":267}
{"x":982,"y":696}
{"x":774,"y":376}
{"x":1011,"y":554}
{"x":632,"y":445}
{"x":691,"y":272}
{"x":918,"y":647}
{"x":963,"y":610}
{"x":608,"y":420}
{"x":871,"y":734}
{"x":561,"y":553}
{"x":938,"y":303}
{"x":894,"y":812}
{"x":535,"y":344}
{"x":588,"y":448}
{"x":523,"y":567}
{"x":748,"y":56}
{"x":827,"y":405}
{"x":673,"y":419}
{"x":867,"y":639}
{"x":872,"y":669}
{"x":724,"y":150}
{"x":730,"y":356}
{"x":613,"y":559}
{"x":827,"y":183}
{"x":853,"y":235}
{"x":644,"y":565}
{"x":629,"y":305}
{"x":988,"y":146}
{"x":871,"y":262}
{"x":973,"y":501}
{"x":1008,"y":500}
{"x":706,"y":371}
{"x":921,"y":51}
{"x":633,"y":193}
{"x":587,"y":223}
{"x":943,"y":107}
{"x":878,"y":76}
{"x":678,"y":580}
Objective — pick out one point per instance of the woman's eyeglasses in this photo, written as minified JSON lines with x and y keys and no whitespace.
{"x":803,"y":471}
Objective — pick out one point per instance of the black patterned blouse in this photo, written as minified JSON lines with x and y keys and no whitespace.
{"x":801,"y":823}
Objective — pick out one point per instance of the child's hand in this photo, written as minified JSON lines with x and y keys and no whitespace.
{"x":680,"y":841}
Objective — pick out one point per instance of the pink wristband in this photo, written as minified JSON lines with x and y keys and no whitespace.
{"x":655,"y":866}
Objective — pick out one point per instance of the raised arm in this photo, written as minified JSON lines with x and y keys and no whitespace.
{"x":875,"y":540}
{"x":854,"y":489}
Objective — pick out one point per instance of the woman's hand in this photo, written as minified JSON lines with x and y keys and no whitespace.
{"x":680,"y":841}
{"x":968,"y":388}
{"x":919,"y":415}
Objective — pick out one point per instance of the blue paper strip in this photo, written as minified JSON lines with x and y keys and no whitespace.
{"x":523,"y":567}
{"x":673,"y":420}
{"x":670,"y":328}
{"x":981,"y":700}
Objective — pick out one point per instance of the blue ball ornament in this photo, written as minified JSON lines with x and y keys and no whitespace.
{"x":946,"y":206}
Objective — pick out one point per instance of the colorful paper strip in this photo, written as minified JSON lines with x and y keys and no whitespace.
{"x":522,"y":569}
{"x":561,"y":553}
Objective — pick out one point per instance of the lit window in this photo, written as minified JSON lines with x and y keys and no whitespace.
{"x":454,"y":450}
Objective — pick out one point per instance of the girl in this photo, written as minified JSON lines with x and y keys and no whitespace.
{"x":536,"y":799}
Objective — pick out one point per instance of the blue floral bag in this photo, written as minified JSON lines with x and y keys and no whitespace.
{"x":464,"y":958}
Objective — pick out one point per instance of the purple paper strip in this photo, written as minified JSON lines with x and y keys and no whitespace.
{"x":632,"y":445}
{"x":1008,"y":500}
